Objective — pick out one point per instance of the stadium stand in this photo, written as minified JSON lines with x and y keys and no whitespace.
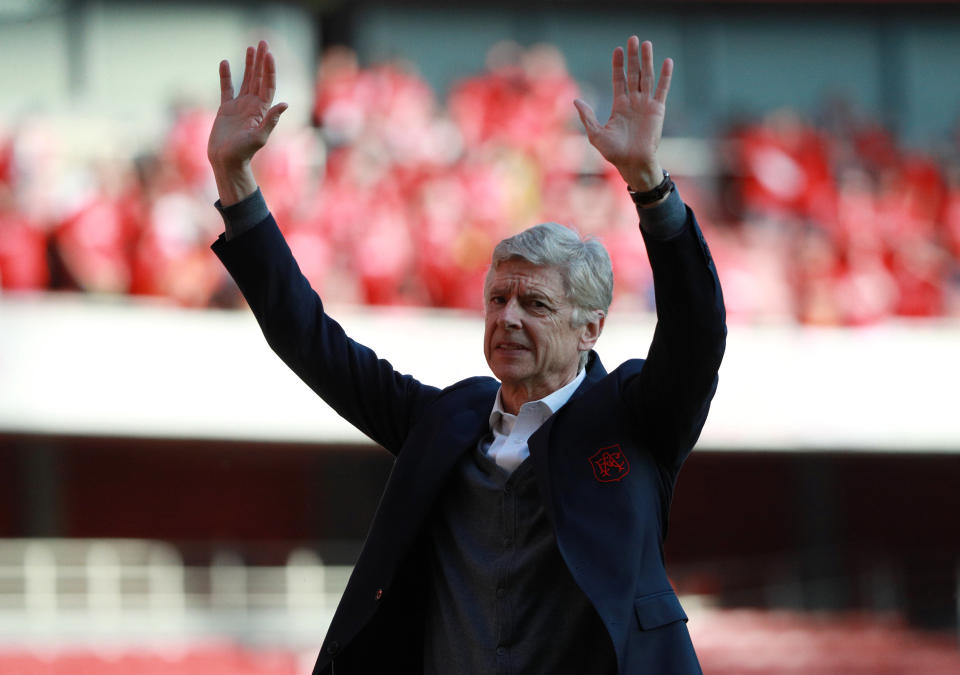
{"x":398,"y":201}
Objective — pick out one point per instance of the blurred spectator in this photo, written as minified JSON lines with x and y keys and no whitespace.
{"x":23,"y":242}
{"x":6,"y":161}
{"x":93,"y":243}
{"x":23,"y":248}
{"x":783,"y":167}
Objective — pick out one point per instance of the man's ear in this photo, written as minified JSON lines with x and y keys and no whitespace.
{"x":590,"y":331}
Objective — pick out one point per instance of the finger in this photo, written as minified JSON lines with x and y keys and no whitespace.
{"x":256,"y":82}
{"x":247,"y":72}
{"x":646,"y":67}
{"x":663,"y":87}
{"x":269,"y":78}
{"x":226,"y":82}
{"x":587,"y":116}
{"x":633,"y":64}
{"x":619,"y":80}
{"x":272,"y":117}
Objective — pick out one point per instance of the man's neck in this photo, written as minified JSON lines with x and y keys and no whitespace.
{"x":513,"y":398}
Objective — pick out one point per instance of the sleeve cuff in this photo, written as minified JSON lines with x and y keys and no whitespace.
{"x":665,"y":219}
{"x":240,"y":217}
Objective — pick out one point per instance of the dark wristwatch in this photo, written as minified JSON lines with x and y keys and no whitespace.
{"x":656,"y":194}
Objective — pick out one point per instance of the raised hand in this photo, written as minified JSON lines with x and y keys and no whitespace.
{"x":630,"y":138}
{"x":243,"y":122}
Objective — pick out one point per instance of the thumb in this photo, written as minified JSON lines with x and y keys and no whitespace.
{"x":272,"y":117}
{"x":587,"y":116}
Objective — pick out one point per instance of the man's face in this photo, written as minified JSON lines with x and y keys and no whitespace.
{"x":530,"y":342}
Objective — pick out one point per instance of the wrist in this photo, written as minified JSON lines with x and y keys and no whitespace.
{"x":644,"y":178}
{"x":654,"y":196}
{"x":235,"y":181}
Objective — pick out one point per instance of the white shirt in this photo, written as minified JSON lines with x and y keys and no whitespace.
{"x":511,"y":432}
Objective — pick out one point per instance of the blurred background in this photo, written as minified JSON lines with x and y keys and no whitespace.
{"x":173,"y":500}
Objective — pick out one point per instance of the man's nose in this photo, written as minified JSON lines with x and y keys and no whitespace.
{"x":510,"y":314}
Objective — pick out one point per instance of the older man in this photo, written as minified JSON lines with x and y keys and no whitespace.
{"x":521,"y":529}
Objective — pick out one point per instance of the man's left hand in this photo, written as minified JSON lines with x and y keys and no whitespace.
{"x":630,"y":138}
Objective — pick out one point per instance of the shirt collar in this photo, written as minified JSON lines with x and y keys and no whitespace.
{"x":553,"y":401}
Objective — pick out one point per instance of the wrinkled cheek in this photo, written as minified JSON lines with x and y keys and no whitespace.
{"x":487,"y":341}
{"x":489,"y":356}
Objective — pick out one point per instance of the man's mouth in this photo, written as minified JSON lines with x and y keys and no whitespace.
{"x":512,"y":346}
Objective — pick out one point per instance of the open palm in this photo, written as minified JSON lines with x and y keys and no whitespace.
{"x":244,"y":122}
{"x":630,"y":138}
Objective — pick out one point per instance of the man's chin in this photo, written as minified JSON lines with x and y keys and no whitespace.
{"x":508,"y":371}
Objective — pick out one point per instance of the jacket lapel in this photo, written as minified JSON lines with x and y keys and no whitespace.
{"x":595,"y":373}
{"x":425,"y":462}
{"x":418,"y":475}
{"x":539,"y":442}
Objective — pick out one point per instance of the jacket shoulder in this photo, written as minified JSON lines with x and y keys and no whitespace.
{"x":620,"y":376}
{"x":471,"y":390}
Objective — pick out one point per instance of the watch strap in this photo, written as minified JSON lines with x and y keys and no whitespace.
{"x":656,"y":194}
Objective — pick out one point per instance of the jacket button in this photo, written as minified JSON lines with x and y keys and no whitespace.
{"x":333,"y":647}
{"x":379,"y":593}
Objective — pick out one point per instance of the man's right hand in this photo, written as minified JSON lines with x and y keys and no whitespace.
{"x":243,"y":123}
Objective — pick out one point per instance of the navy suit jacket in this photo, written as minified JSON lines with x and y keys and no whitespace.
{"x":605,"y":463}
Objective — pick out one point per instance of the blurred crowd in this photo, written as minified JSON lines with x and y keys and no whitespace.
{"x":834,"y":223}
{"x":393,"y":197}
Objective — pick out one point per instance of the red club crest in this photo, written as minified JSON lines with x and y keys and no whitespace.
{"x":609,"y":464}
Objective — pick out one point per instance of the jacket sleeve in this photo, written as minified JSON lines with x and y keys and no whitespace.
{"x":673,"y":390}
{"x":362,"y":388}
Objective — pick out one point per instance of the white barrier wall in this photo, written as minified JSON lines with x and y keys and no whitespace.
{"x":72,"y":365}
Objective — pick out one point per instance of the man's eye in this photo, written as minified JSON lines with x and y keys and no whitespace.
{"x":497,"y":299}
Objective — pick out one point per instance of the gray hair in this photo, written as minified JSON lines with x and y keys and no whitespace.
{"x":584,"y":266}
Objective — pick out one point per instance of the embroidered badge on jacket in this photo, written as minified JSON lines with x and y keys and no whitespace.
{"x":609,"y":464}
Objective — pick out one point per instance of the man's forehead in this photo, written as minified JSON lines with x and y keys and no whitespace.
{"x":527,"y":274}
